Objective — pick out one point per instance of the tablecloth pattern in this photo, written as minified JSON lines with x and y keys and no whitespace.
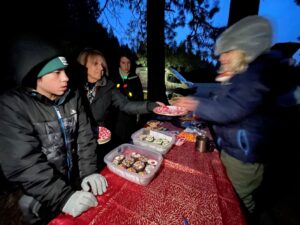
{"x":189,"y":185}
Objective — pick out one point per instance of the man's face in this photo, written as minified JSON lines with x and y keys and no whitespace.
{"x":96,"y":66}
{"x":125,"y":64}
{"x":53,"y":84}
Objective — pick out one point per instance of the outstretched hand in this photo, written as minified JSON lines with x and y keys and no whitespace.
{"x":189,"y":103}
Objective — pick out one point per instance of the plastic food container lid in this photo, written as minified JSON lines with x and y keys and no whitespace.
{"x":126,"y":150}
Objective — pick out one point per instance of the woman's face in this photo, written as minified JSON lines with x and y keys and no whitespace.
{"x":125,"y":64}
{"x":230,"y":61}
{"x":96,"y":66}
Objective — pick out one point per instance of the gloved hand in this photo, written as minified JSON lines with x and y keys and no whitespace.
{"x":94,"y":182}
{"x":79,"y":202}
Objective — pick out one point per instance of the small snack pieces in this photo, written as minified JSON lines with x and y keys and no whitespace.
{"x":104,"y":135}
{"x":155,"y":140}
{"x":153,"y":123}
{"x":134,"y":163}
{"x":187,"y":136}
{"x":170,"y":110}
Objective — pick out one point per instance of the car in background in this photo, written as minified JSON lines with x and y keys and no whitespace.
{"x":175,"y":83}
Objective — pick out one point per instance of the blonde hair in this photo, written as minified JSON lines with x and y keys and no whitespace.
{"x":239,"y":62}
{"x":86,"y":53}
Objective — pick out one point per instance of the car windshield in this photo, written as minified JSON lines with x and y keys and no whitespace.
{"x":178,"y":75}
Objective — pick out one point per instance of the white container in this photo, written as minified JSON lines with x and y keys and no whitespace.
{"x":127,"y":149}
{"x":138,"y":139}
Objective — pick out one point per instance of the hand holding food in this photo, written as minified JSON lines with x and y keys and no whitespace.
{"x":189,"y":103}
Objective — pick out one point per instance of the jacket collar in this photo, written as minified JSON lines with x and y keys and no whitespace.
{"x":44,"y":99}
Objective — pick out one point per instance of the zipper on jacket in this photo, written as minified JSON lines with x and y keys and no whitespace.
{"x":67,"y":145}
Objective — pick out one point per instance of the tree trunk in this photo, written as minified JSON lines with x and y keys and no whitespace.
{"x":155,"y":50}
{"x":242,"y":8}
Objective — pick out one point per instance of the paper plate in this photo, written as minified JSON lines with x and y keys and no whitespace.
{"x":170,"y":110}
{"x":104,"y":135}
{"x":101,"y":142}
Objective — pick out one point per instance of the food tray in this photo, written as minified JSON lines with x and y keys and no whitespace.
{"x":127,"y":149}
{"x":167,"y":138}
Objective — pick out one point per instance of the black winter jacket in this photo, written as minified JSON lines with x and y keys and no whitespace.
{"x":108,"y":95}
{"x":45,"y":144}
{"x":131,"y":87}
{"x":127,"y":124}
{"x":35,"y":141}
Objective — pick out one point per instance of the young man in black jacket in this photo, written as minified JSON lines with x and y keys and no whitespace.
{"x":47,"y":144}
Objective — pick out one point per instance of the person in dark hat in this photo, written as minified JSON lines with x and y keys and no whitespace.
{"x":47,"y":144}
{"x":242,"y":112}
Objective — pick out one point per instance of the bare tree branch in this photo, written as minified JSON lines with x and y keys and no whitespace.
{"x":194,"y":14}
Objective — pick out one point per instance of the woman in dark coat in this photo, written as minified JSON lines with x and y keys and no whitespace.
{"x":102,"y":96}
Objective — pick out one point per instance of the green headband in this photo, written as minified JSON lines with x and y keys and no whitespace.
{"x":54,"y":64}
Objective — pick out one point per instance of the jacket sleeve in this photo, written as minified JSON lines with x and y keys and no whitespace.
{"x":86,"y":142}
{"x":235,"y":103}
{"x":22,"y":160}
{"x":130,"y":107}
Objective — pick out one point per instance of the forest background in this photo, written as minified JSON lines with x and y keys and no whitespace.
{"x":77,"y":24}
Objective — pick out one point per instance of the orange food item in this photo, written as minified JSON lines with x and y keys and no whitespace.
{"x":191,"y":137}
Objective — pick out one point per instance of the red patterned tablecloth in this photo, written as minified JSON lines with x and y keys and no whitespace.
{"x":189,"y":184}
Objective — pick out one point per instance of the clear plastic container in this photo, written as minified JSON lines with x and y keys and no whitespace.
{"x":140,"y":138}
{"x":126,"y":150}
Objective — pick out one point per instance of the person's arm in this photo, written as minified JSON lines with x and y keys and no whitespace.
{"x":87,"y":159}
{"x":23,"y":162}
{"x":233,"y":103}
{"x":86,"y":143}
{"x":238,"y":101}
{"x":131,"y":107}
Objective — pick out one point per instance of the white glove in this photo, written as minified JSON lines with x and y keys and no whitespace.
{"x":79,"y":202}
{"x":96,"y":183}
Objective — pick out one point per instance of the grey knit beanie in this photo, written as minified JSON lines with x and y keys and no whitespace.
{"x":252,"y":34}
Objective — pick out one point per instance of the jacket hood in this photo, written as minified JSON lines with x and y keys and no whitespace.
{"x":28,"y":54}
